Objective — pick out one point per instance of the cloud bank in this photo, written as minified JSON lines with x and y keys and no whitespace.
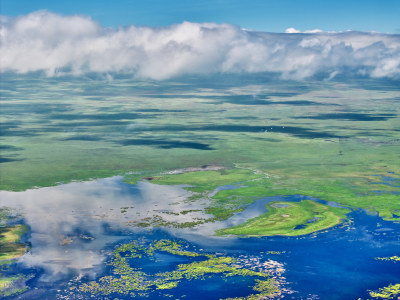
{"x":55,"y":44}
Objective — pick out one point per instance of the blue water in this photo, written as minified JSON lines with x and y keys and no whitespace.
{"x":388,"y":180}
{"x":338,"y":263}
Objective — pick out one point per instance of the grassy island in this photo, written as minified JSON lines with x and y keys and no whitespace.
{"x":10,"y":247}
{"x":290,"y":219}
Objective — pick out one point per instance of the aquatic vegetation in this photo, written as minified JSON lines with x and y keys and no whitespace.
{"x":12,"y":285}
{"x":291,"y":219}
{"x":391,"y":258}
{"x":168,"y":285}
{"x":10,"y":248}
{"x":203,"y":183}
{"x":268,"y":289}
{"x":171,"y":247}
{"x":158,"y":221}
{"x":388,"y":292}
{"x":4,"y":215}
{"x":129,"y":280}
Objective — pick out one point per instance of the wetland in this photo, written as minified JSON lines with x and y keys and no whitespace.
{"x":204,"y":188}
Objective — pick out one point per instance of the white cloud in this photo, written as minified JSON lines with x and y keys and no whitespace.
{"x":43,"y":41}
{"x":292,"y":30}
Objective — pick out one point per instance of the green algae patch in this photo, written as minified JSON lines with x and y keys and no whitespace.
{"x":388,"y":292}
{"x":267,"y":289}
{"x":5,"y":283}
{"x":10,"y":248}
{"x":129,"y":279}
{"x":13,"y":285}
{"x":289,"y":219}
{"x":167,"y":286}
{"x":172,"y":248}
{"x":390,"y":258}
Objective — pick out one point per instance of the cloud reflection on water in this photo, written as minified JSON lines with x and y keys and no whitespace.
{"x":71,"y":224}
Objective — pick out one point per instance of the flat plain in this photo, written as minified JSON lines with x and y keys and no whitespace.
{"x":227,"y":141}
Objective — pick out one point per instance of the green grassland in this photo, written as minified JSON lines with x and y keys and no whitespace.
{"x":203,"y":181}
{"x":327,"y":140}
{"x":58,"y":130}
{"x":282,"y":218}
{"x":253,"y":184}
{"x":355,"y":192}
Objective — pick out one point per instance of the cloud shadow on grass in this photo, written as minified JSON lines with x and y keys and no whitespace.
{"x":350,"y":117}
{"x":8,"y":159}
{"x":89,"y":138}
{"x":102,"y":117}
{"x":10,"y":148}
{"x":295,"y":131}
{"x":165,"y":144}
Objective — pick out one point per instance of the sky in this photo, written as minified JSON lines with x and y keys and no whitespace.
{"x":259,"y":15}
{"x":160,"y":39}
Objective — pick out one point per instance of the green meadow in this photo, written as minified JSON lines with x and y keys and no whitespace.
{"x":284,"y":218}
{"x":333,"y":140}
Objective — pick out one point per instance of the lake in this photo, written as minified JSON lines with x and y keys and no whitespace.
{"x":74,"y":228}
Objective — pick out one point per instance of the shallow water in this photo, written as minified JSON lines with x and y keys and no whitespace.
{"x":70,"y":224}
{"x":74,"y":227}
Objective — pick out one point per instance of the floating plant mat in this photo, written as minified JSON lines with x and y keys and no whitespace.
{"x":86,"y":236}
{"x":159,"y":268}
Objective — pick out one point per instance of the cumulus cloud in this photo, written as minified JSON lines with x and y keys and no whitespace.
{"x":294,"y":30}
{"x":55,"y":44}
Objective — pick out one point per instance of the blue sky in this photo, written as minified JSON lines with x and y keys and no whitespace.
{"x":262,"y":15}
